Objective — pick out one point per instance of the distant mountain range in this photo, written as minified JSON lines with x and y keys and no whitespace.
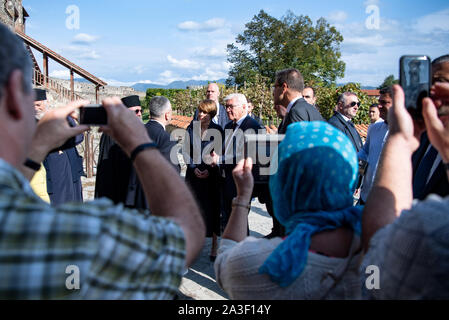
{"x":175,"y":85}
{"x":192,"y":83}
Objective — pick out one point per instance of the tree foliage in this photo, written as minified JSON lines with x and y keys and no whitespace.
{"x":269,"y":44}
{"x":388,"y":82}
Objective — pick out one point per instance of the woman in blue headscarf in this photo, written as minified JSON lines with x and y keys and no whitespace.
{"x":313,"y":179}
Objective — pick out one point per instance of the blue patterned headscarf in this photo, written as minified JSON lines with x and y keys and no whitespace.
{"x":312,"y":191}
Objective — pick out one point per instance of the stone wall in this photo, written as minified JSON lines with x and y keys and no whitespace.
{"x":11,"y":13}
{"x":87,"y":90}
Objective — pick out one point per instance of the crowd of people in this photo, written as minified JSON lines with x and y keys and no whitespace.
{"x":147,"y":225}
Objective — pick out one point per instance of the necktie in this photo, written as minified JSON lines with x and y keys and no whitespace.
{"x":421,"y":175}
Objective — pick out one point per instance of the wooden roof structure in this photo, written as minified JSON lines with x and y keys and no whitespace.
{"x":60,"y":59}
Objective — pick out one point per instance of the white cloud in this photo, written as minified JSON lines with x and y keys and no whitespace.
{"x":338,"y":16}
{"x":84,"y":39}
{"x":139,"y":69}
{"x":434,"y":22}
{"x":210,"y":52}
{"x":82,"y":52}
{"x":371,"y":2}
{"x":62,"y":74}
{"x":184,"y":64}
{"x":207,"y":26}
{"x":211,"y":74}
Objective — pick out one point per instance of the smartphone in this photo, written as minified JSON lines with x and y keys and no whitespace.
{"x":415,"y":78}
{"x":93,"y":114}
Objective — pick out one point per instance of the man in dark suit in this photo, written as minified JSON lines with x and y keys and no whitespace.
{"x":64,"y":167}
{"x":160,"y":116}
{"x":113,"y":165}
{"x":347,"y":107}
{"x":287,"y":94}
{"x":241,"y":123}
{"x":213,"y":93}
{"x":429,"y":174}
{"x":291,"y":107}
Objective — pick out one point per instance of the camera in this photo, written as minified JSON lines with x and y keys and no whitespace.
{"x":93,"y":114}
{"x":415,"y":79}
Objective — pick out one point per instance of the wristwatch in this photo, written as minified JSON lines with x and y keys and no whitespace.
{"x":237,"y":203}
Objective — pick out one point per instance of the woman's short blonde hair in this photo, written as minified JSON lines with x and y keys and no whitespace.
{"x":209,"y":107}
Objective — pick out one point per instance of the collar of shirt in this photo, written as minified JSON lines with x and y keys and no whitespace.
{"x":344,"y":117}
{"x":290,"y":105}
{"x":163,"y":126}
{"x":239,"y":122}
{"x":216,"y":118}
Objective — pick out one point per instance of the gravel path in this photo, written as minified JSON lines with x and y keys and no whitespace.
{"x":199,"y":282}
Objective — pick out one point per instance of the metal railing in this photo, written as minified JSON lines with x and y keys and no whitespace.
{"x":40,"y":79}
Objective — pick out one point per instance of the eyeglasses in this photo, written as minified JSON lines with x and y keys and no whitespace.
{"x":353,"y":103}
{"x":137,"y":111}
{"x":230,"y":106}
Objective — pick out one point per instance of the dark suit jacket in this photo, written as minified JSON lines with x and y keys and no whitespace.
{"x":222,"y":116}
{"x":113,"y":171}
{"x":64,"y":170}
{"x":438,"y":183}
{"x":300,"y":111}
{"x":135,"y":197}
{"x":340,"y":123}
{"x":230,"y":190}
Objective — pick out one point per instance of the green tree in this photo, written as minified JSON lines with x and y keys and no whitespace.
{"x":388,"y":82}
{"x":269,"y":44}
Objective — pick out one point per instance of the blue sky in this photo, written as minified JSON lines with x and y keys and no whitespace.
{"x":124,"y":42}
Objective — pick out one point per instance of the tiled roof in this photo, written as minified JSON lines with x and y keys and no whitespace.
{"x":371,"y":93}
{"x":180,"y":121}
{"x":362,"y":129}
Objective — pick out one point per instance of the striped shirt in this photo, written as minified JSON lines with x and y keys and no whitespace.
{"x":112,"y":252}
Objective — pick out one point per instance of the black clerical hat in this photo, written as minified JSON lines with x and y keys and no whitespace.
{"x":131,"y":101}
{"x":40,"y":94}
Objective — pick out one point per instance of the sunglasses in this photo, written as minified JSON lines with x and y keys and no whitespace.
{"x":353,"y":103}
{"x":138,"y":111}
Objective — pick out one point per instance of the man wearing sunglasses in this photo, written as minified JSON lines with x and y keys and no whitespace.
{"x":347,"y":106}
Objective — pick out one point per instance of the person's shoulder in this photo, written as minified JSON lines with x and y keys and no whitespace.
{"x":249,"y":253}
{"x":252,"y":123}
{"x":379,"y":125}
{"x":215,"y":126}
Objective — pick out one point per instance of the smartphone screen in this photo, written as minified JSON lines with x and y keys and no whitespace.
{"x":415,"y":80}
{"x":94,"y":114}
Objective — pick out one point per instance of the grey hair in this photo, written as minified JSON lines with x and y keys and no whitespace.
{"x":13,"y":56}
{"x":158,"y":106}
{"x":292,"y":77}
{"x":241,"y":99}
{"x":342,"y":97}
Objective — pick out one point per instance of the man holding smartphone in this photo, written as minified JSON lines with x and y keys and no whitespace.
{"x":118,"y":253}
{"x":429,"y":174}
{"x":407,"y":240}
